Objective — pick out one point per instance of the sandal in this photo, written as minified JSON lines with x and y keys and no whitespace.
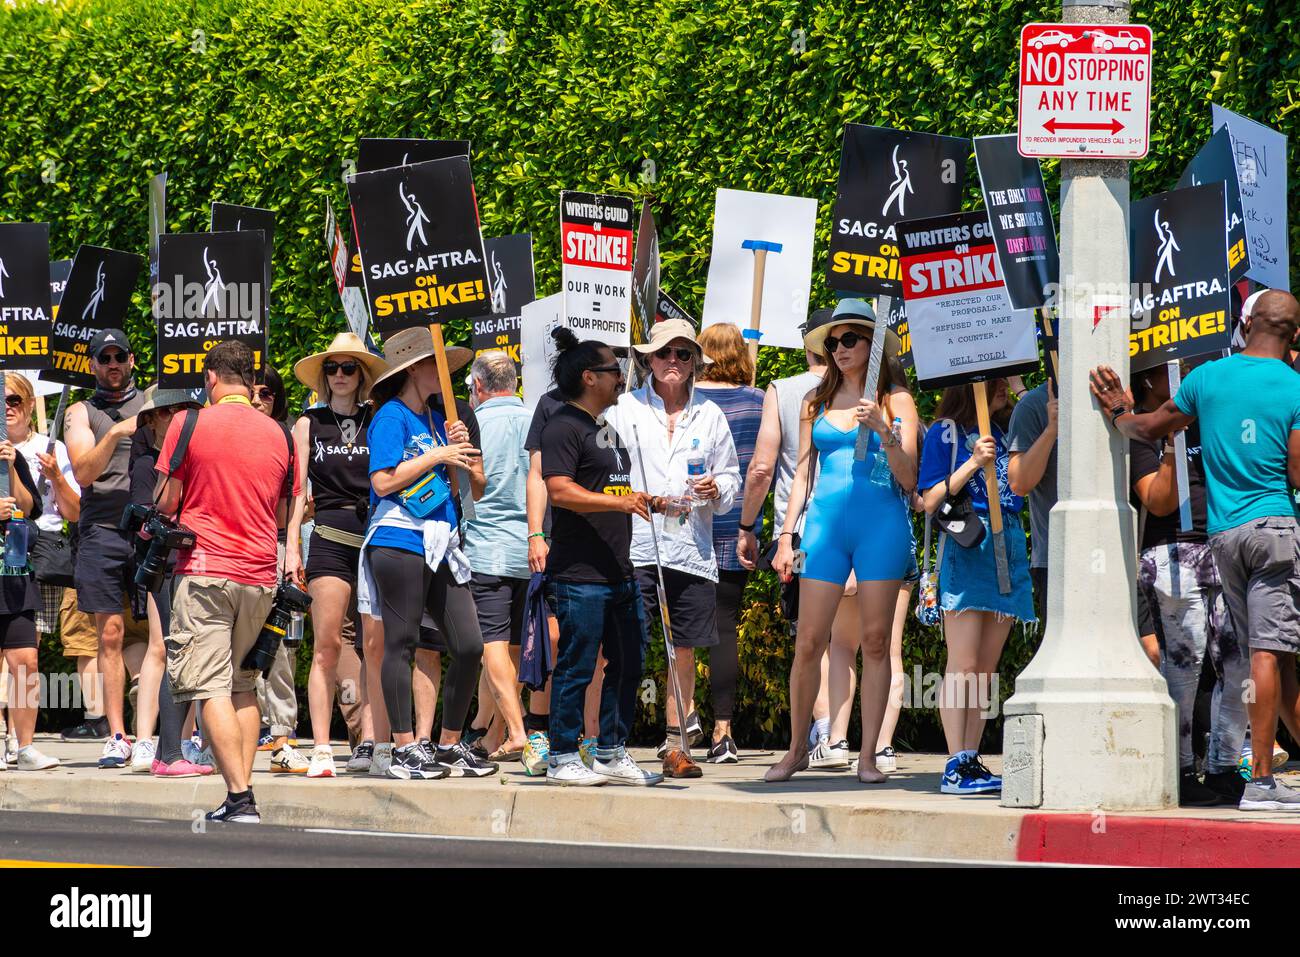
{"x":506,"y":754}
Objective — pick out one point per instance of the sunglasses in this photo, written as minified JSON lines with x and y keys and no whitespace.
{"x":106,"y":358}
{"x":683,"y":355}
{"x":849,"y":341}
{"x":347,"y":368}
{"x":265,"y":394}
{"x":14,"y":401}
{"x":612,"y":368}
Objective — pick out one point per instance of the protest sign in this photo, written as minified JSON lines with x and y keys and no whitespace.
{"x":157,"y":221}
{"x":510,"y":266}
{"x":384,"y":153}
{"x":539,"y":317}
{"x":1215,"y":164}
{"x":352,"y":296}
{"x":26,"y":313}
{"x":645,"y":277}
{"x":226,"y":216}
{"x":1260,"y":153}
{"x":59,"y":270}
{"x":1179,"y":268}
{"x":97,"y":296}
{"x":897,"y":320}
{"x":669,"y":308}
{"x":760,"y":269}
{"x":211,"y":289}
{"x":962,"y":324}
{"x":887,"y":176}
{"x":420,"y":270}
{"x":596,"y":251}
{"x":1021,"y":217}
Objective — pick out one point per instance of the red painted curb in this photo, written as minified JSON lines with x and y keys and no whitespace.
{"x":1156,"y":841}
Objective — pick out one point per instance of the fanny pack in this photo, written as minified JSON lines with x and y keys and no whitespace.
{"x":956,"y":517}
{"x":427,"y":494}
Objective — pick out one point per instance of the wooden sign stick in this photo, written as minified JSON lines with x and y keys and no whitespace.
{"x":464,"y":492}
{"x":1180,"y":457}
{"x":761,"y":248}
{"x":994,"y":493}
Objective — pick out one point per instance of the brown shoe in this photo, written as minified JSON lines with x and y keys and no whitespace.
{"x":678,"y":764}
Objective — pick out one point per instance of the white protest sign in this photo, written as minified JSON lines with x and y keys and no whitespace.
{"x":1260,"y":153}
{"x":538,"y":318}
{"x":749,"y":227}
{"x":596,"y":251}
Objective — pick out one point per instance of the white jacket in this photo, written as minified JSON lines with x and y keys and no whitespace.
{"x":440,"y":541}
{"x":701,"y":428}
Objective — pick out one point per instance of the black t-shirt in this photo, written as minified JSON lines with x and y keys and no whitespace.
{"x":546,"y":407}
{"x":338,"y":459}
{"x":1163,"y":529}
{"x":19,"y":593}
{"x":144,"y":478}
{"x":587,"y":546}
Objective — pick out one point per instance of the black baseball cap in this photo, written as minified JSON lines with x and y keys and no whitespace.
{"x":819,"y":317}
{"x":110,"y":337}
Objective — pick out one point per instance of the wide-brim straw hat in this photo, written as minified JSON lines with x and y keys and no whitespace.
{"x":849,"y":312}
{"x":308,"y":370}
{"x":662,"y":333}
{"x":406,"y":347}
{"x":156,"y":398}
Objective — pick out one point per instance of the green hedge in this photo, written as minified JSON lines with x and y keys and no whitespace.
{"x":261,"y":103}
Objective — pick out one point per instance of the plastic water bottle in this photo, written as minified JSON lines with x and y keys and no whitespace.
{"x":293,"y":634}
{"x":695,"y":472}
{"x":16,"y":541}
{"x":880,"y":473}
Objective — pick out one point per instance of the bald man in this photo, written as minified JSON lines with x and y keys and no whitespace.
{"x":1248,"y":407}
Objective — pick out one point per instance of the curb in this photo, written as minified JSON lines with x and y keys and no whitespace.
{"x":1156,"y":841}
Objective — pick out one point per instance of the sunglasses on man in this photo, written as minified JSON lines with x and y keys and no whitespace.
{"x":610,"y":368}
{"x":112,"y":358}
{"x":347,"y":368}
{"x":849,"y":341}
{"x":682,"y":355}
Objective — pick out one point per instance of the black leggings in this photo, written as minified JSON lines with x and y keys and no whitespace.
{"x":407,"y":588}
{"x":724,"y":658}
{"x":171,"y":713}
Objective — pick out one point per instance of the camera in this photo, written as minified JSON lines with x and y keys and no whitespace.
{"x":289,"y":600}
{"x":158,"y":538}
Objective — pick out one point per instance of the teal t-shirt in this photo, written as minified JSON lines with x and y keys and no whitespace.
{"x":1247,"y":408}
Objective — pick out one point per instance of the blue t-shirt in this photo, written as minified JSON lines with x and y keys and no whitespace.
{"x":936,"y":457}
{"x":1247,"y":407}
{"x":397,"y":434}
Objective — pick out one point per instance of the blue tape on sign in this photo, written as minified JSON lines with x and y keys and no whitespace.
{"x":754,"y":334}
{"x":761,"y":244}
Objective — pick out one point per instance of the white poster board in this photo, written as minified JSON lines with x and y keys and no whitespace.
{"x":741,"y":217}
{"x":1260,"y":153}
{"x":539,"y":317}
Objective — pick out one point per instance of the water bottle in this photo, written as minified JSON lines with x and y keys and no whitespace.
{"x":695,"y":471}
{"x":293,"y":634}
{"x":16,"y":542}
{"x":880,"y":473}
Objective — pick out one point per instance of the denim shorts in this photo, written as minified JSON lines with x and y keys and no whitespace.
{"x":968,"y":577}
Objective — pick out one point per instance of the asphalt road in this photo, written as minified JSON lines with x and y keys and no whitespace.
{"x":83,"y":839}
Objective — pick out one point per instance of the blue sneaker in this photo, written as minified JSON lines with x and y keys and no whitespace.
{"x":968,"y":776}
{"x":950,"y":783}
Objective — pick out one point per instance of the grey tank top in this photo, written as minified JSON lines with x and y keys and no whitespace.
{"x":789,"y":399}
{"x":103,"y":501}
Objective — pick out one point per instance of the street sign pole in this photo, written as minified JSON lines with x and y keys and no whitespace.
{"x":1091,"y":725}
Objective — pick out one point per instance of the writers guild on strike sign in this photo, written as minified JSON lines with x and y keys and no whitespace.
{"x":596,"y":249}
{"x":1181,"y":302}
{"x":418,"y":267}
{"x":25,"y":307}
{"x":887,"y":176}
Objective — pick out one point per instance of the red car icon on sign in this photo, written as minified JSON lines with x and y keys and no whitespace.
{"x":1051,"y":38}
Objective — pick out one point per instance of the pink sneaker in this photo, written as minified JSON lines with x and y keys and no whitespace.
{"x":179,"y":769}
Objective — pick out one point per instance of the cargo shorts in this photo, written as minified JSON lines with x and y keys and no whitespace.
{"x":215,"y":622}
{"x":1259,"y":566}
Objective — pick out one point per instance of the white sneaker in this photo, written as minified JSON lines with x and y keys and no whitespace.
{"x":29,"y":759}
{"x":289,"y":760}
{"x":322,"y":762}
{"x":116,"y":753}
{"x":380,"y":763}
{"x":142,"y":756}
{"x":623,"y":770}
{"x":886,"y":760}
{"x":569,"y":771}
{"x":11,"y":749}
{"x":829,"y":757}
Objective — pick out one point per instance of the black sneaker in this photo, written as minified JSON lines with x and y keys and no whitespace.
{"x":1227,"y":787}
{"x":1192,"y":793}
{"x":461,"y":762}
{"x":694,"y":732}
{"x":724,"y":752}
{"x":471,"y":739}
{"x":414,"y":763}
{"x":240,"y":812}
{"x":91,"y":729}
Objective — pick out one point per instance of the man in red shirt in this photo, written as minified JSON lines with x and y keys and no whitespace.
{"x":231,"y":488}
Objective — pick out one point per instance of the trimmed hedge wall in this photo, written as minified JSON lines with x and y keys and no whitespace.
{"x":261,"y":103}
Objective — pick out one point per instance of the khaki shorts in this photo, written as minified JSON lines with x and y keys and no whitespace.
{"x":215,"y":622}
{"x":77,"y":629}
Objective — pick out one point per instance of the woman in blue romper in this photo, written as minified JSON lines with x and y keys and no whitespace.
{"x":853,"y":523}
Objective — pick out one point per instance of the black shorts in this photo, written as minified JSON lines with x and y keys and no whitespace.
{"x":692,"y":605}
{"x":18,"y":631}
{"x":103,"y":569}
{"x":329,"y":559}
{"x":501,"y":603}
{"x":430,"y":639}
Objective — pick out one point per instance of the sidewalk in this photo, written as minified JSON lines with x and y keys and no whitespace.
{"x":729,"y":808}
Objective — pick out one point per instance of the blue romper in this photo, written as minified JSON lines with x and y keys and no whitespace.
{"x":853,"y":524}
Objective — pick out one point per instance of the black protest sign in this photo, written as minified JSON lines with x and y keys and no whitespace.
{"x":962,"y":325}
{"x":59,"y":270}
{"x":510,"y":268}
{"x":157,"y":221}
{"x":418,"y":232}
{"x":384,"y":153}
{"x":26,"y":313}
{"x":1021,"y":217}
{"x":645,"y":276}
{"x":1215,"y":163}
{"x":97,"y":297}
{"x":887,"y":176}
{"x":226,"y":216}
{"x":1179,"y":269}
{"x":668,"y":308}
{"x":898,"y":322}
{"x":210,"y":290}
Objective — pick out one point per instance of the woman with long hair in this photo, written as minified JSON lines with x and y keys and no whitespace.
{"x":977,"y":617}
{"x":334,"y":457}
{"x":857,"y":521}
